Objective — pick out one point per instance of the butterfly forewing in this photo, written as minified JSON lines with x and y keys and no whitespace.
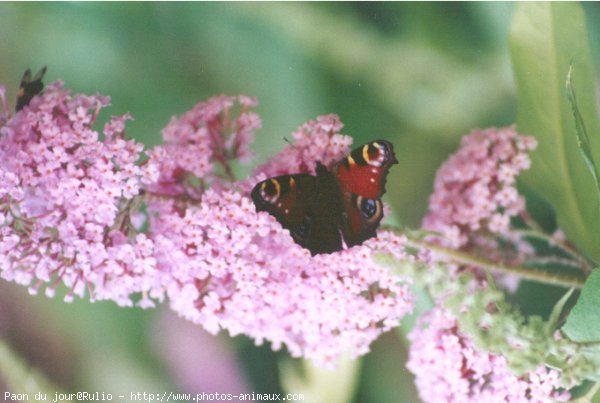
{"x":299,"y":203}
{"x":363,"y":172}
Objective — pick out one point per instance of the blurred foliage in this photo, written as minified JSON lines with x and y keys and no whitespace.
{"x":20,"y":380}
{"x":320,"y":385}
{"x":418,"y":74}
{"x":546,"y":39}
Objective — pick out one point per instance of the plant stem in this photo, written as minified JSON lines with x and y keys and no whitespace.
{"x":529,"y":273}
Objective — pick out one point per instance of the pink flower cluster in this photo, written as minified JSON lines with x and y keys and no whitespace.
{"x":317,"y":140}
{"x":474,"y":190}
{"x":449,"y":368}
{"x":206,"y":135}
{"x":66,"y":197}
{"x":231,"y":268}
{"x":473,"y":202}
{"x":69,"y":214}
{"x":228,"y":267}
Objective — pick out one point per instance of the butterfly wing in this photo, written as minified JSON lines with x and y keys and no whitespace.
{"x":361,"y":177}
{"x":305,"y":206}
{"x":29,"y":87}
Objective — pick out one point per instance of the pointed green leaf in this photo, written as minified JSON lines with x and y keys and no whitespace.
{"x":583,"y":140}
{"x":583,"y":323}
{"x":545,"y":37}
{"x":557,"y":311}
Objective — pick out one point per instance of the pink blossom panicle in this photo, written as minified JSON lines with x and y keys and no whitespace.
{"x":474,"y":190}
{"x":64,"y":194}
{"x":318,"y":140}
{"x":232,"y":268}
{"x":228,"y":267}
{"x":448,"y":367}
{"x":204,"y":138}
{"x":474,"y":200}
{"x":68,"y":215}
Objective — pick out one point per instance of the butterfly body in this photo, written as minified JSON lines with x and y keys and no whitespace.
{"x":333,"y":207}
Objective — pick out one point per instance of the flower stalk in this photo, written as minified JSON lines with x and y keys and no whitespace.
{"x":528,"y":273}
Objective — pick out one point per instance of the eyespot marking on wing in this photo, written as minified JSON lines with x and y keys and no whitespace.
{"x":369,"y":208}
{"x":375,"y":154}
{"x":270,"y":191}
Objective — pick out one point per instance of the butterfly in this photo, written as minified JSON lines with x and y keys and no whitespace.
{"x":343,"y":203}
{"x":30,"y":87}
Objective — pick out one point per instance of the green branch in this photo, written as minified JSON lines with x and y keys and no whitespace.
{"x":529,"y":273}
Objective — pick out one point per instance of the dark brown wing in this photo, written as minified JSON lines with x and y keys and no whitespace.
{"x":30,"y":87}
{"x":361,"y":177}
{"x":307,"y":206}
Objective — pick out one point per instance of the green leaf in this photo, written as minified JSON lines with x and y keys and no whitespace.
{"x":557,"y":310}
{"x":583,"y":140}
{"x":545,"y":38}
{"x":583,"y":323}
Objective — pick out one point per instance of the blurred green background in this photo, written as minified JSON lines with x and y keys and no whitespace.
{"x":418,"y":74}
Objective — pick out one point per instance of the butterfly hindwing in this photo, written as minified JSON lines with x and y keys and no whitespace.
{"x":361,"y":177}
{"x":300,"y":204}
{"x":360,"y":218}
{"x":29,"y":87}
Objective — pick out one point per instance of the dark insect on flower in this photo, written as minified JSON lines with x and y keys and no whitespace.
{"x":30,"y":87}
{"x":337,"y":206}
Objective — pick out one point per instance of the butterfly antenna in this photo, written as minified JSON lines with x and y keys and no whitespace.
{"x":289,"y":142}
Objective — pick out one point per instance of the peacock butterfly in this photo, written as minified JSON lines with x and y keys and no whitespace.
{"x":341,"y":203}
{"x":29,"y":87}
